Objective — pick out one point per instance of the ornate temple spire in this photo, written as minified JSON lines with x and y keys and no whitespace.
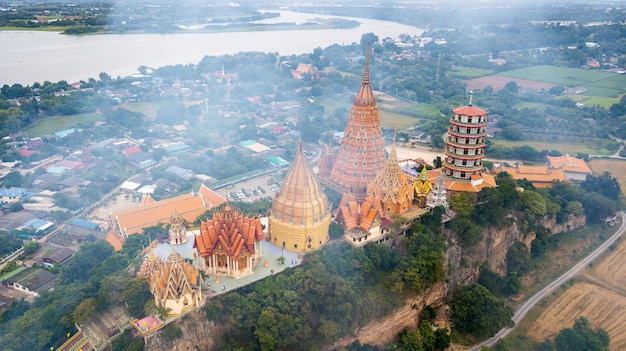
{"x":392,"y":183}
{"x":437,"y":197}
{"x":361,"y":153}
{"x":178,"y":232}
{"x":174,"y":256}
{"x":365,"y":96}
{"x":301,"y":199}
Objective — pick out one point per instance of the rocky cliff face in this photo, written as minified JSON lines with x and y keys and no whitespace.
{"x":197,"y":335}
{"x":464,"y":263}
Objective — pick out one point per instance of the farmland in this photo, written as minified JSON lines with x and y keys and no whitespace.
{"x":591,"y":82}
{"x":604,"y":309}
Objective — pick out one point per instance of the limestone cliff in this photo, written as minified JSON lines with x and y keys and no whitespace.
{"x":197,"y":335}
{"x":464,"y":263}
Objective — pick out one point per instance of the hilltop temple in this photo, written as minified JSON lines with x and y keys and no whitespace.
{"x":376,"y":192}
{"x":300,"y":215}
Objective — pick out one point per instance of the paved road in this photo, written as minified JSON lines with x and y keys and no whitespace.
{"x":531,"y":302}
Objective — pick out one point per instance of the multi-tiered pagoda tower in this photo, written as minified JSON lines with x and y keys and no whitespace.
{"x":465,"y":143}
{"x":464,"y":153}
{"x":362,"y":152}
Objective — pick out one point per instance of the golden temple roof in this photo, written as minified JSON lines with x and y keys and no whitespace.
{"x":301,"y":200}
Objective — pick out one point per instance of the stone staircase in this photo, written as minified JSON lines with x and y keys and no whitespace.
{"x":103,"y":325}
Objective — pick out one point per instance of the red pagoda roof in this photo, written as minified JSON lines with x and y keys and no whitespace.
{"x":470,"y":111}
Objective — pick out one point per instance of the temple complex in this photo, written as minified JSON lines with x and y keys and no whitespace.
{"x":300,"y":215}
{"x":362,"y":151}
{"x":174,"y":283}
{"x":229,"y":243}
{"x":369,"y":216}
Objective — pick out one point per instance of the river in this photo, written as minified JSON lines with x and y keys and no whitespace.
{"x":37,"y":56}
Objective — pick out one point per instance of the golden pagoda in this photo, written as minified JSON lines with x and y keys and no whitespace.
{"x":423,"y":186}
{"x":300,"y":214}
{"x":174,"y":283}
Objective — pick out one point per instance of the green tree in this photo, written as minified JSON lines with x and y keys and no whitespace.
{"x":582,"y":337}
{"x":428,"y":336}
{"x":135,"y":295}
{"x":84,"y":310}
{"x":476,"y":311}
{"x":533,"y":205}
{"x":469,"y":233}
{"x":12,"y":179}
{"x":442,"y":339}
{"x":31,"y":247}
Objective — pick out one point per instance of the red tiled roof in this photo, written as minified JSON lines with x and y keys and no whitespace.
{"x":132,"y":150}
{"x":188,"y":206}
{"x":230,"y":231}
{"x":569,"y":164}
{"x":469,"y":111}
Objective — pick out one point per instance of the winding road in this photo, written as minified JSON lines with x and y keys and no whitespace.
{"x":531,"y":302}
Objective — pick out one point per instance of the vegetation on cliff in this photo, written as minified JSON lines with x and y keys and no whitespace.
{"x":336,"y":290}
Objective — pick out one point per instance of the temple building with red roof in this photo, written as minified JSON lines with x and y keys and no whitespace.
{"x":539,"y":176}
{"x":229,"y":243}
{"x":574,"y":168}
{"x":300,"y":215}
{"x":151,"y":212}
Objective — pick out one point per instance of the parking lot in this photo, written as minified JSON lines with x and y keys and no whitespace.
{"x":250,"y":190}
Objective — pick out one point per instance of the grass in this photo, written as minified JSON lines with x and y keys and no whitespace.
{"x":559,"y":75}
{"x":549,"y":268}
{"x":592,"y":146}
{"x":50,"y":125}
{"x":605,"y":102}
{"x":462,"y":72}
{"x":396,"y":120}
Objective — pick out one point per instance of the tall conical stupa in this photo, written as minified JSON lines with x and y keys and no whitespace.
{"x":300,"y":213}
{"x":362,"y":151}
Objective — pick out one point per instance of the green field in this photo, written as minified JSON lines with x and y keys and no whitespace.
{"x":462,"y":72}
{"x":593,"y":100}
{"x":50,"y":125}
{"x":596,"y":83}
{"x":592,"y":146}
